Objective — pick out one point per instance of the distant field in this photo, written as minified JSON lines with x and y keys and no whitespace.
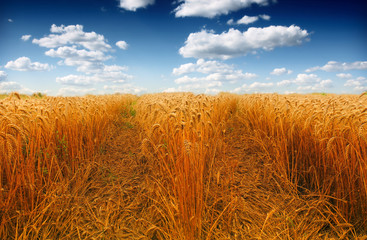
{"x":183,"y":166}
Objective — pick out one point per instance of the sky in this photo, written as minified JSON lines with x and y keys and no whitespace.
{"x":78,"y":47}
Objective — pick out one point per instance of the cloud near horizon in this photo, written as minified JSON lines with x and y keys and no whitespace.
{"x":234,"y":43}
{"x":24,"y":64}
{"x":7,"y":87}
{"x":359,"y":84}
{"x":87,"y":52}
{"x":307,"y":82}
{"x":332,"y":66}
{"x":207,"y":76}
{"x":254,"y":87}
{"x":3,"y":76}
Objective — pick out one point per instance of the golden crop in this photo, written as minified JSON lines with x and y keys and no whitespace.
{"x":183,"y":166}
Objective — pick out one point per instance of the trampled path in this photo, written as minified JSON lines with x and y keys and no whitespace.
{"x":262,"y":208}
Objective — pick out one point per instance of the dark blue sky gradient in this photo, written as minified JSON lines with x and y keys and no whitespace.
{"x":338,"y":33}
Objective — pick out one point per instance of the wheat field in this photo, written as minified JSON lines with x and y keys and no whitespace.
{"x":183,"y":166}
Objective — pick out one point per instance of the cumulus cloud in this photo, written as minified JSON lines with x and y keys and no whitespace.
{"x":124,"y":88}
{"x":7,"y":87}
{"x":337,"y":66}
{"x":194,"y":88}
{"x":210,"y":67}
{"x":74,"y":35}
{"x":207,"y":44}
{"x":111,"y":74}
{"x":303,"y":79}
{"x":307,"y":82}
{"x":280,"y":71}
{"x":248,"y":19}
{"x":87,"y":52}
{"x":265,"y":17}
{"x":207,"y":75}
{"x":230,"y":22}
{"x":73,"y":91}
{"x":133,"y":5}
{"x":212,"y":8}
{"x":322,"y":85}
{"x":26,"y":37}
{"x":85,"y":61}
{"x":3,"y":76}
{"x":122,"y":45}
{"x":77,"y":80}
{"x":254,"y":87}
{"x":358,"y":84}
{"x":284,"y":83}
{"x":25,"y":64}
{"x":344,"y":75}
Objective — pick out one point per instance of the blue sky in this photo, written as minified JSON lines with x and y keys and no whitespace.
{"x":204,"y":46}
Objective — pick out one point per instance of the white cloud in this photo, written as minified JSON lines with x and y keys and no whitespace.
{"x":122,"y":44}
{"x":207,"y":44}
{"x":3,"y":76}
{"x":133,"y":5}
{"x":125,"y":88}
{"x":280,"y":71}
{"x":247,"y":20}
{"x":77,"y":80}
{"x":358,"y":84}
{"x":26,"y":37}
{"x":216,"y":71}
{"x":169,"y":90}
{"x":307,"y":82}
{"x":322,"y":85}
{"x":326,"y":83}
{"x":10,"y":20}
{"x":212,"y":8}
{"x":87,"y":52}
{"x":73,"y":91}
{"x":254,"y":87}
{"x":344,"y":75}
{"x":7,"y":87}
{"x":211,"y":67}
{"x":74,"y":35}
{"x":208,"y":75}
{"x":303,"y":79}
{"x":265,"y":17}
{"x":284,"y":83}
{"x":230,"y":22}
{"x":85,"y":61}
{"x":337,"y":66}
{"x":195,"y":87}
{"x":115,"y":68}
{"x":112,"y":74}
{"x":24,"y":64}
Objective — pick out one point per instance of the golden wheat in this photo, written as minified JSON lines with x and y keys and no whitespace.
{"x":262,"y":166}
